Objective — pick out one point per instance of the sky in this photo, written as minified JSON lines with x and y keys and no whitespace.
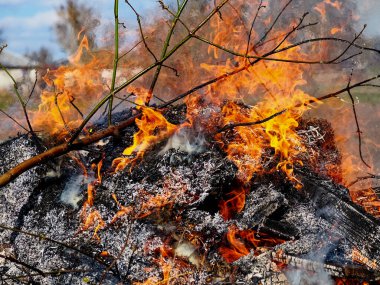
{"x":27,"y":25}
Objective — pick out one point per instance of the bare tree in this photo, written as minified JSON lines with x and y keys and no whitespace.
{"x":43,"y":57}
{"x":2,"y":40}
{"x":75,"y":20}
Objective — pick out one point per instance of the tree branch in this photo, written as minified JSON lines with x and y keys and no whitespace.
{"x":115,"y":61}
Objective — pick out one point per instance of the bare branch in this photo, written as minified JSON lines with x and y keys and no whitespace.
{"x":356,"y":122}
{"x":259,"y":43}
{"x":14,"y":260}
{"x":247,"y":124}
{"x":115,"y":60}
{"x":370,"y":176}
{"x":165,"y":47}
{"x":141,"y":30}
{"x":14,"y":120}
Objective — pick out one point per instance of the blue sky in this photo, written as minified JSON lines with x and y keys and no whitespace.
{"x":28,"y":24}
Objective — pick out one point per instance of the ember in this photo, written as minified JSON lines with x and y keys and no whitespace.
{"x":236,"y":180}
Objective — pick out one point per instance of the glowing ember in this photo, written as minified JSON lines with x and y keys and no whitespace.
{"x":241,"y":242}
{"x":233,"y":204}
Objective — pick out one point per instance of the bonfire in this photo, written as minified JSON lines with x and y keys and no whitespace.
{"x":218,"y":146}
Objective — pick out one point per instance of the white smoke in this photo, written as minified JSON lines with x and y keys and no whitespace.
{"x":185,"y":140}
{"x":315,"y":276}
{"x":71,"y":195}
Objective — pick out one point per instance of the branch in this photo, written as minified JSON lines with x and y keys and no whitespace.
{"x":63,"y":149}
{"x":14,"y":120}
{"x":141,"y":30}
{"x":116,"y":59}
{"x":165,"y":48}
{"x":144,"y":71}
{"x":33,"y":88}
{"x":114,"y":130}
{"x":256,"y":45}
{"x":19,"y":97}
{"x":357,"y":123}
{"x":43,"y":237}
{"x":245,"y":124}
{"x":252,"y":25}
{"x":14,"y":260}
{"x":370,"y":176}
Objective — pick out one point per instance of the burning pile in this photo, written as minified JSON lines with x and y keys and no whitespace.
{"x":235,"y":185}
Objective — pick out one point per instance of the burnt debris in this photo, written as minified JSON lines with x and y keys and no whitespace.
{"x":161,"y":220}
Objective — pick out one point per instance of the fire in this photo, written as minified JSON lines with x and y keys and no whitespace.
{"x":359,"y":258}
{"x":71,"y":90}
{"x":90,"y":217}
{"x":336,"y":30}
{"x":153,"y":128}
{"x":234,"y":204}
{"x":345,"y":281}
{"x":241,"y":242}
{"x":322,"y":7}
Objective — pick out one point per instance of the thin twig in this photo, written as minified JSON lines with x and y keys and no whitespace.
{"x":21,"y":100}
{"x":14,"y":260}
{"x":246,"y":124}
{"x":165,"y":47}
{"x":115,"y":60}
{"x":141,"y":30}
{"x":256,"y":45}
{"x":3,"y":47}
{"x":14,"y":120}
{"x":59,"y":110}
{"x":356,"y":122}
{"x":252,"y":25}
{"x":76,"y":107}
{"x":33,"y":88}
{"x":124,"y":247}
{"x":370,"y":176}
{"x":57,"y":272}
{"x":43,"y":237}
{"x":131,"y":49}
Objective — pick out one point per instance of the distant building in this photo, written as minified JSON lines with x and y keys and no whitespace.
{"x":19,"y":66}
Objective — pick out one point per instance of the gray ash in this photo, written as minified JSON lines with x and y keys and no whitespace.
{"x":171,"y":225}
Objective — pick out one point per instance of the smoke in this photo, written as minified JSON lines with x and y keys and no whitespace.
{"x":185,"y":140}
{"x":301,"y":276}
{"x":71,"y":195}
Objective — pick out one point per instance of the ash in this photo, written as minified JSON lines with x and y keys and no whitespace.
{"x":162,"y":221}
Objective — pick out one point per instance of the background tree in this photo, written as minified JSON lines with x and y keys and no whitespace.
{"x":75,"y":20}
{"x":42,"y":57}
{"x":2,"y":40}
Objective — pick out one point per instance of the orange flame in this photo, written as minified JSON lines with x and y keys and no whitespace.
{"x":91,"y":218}
{"x":153,"y":127}
{"x":71,"y":90}
{"x":241,"y":242}
{"x":234,"y":204}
